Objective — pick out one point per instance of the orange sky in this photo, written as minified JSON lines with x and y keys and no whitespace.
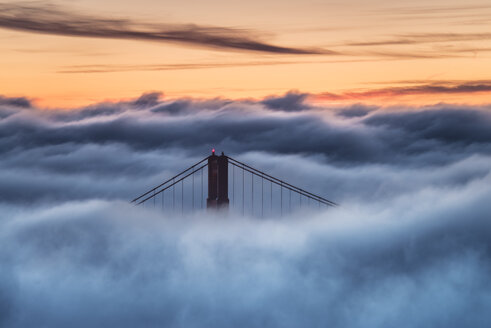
{"x":381,"y":51}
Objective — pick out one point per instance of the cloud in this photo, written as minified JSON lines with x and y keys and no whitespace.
{"x":433,"y":82}
{"x":87,"y":69}
{"x":291,"y":102}
{"x":386,"y":264}
{"x":241,"y":126}
{"x":447,"y":125}
{"x":448,"y":10}
{"x":423,"y":89}
{"x":169,"y":67}
{"x":409,"y":246}
{"x":148,"y":99}
{"x":356,"y":110}
{"x":53,"y":20}
{"x":172,"y":108}
{"x":421,"y":38}
{"x":15,"y":101}
{"x":119,"y":150}
{"x":456,"y":14}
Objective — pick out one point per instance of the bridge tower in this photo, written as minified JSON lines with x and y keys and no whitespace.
{"x":217,"y":198}
{"x":217,"y":182}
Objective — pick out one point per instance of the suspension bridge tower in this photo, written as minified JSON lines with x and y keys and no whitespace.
{"x":217,"y":182}
{"x":254,"y":196}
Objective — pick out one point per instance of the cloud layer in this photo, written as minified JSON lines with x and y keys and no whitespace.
{"x":149,"y":138}
{"x":409,"y":247}
{"x":99,"y":264}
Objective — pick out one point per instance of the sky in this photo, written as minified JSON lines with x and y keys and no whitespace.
{"x":380,"y":106}
{"x":66,"y":54}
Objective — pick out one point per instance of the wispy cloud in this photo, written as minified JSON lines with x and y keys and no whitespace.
{"x":430,"y":88}
{"x":460,"y":14}
{"x":166,"y":67}
{"x":410,"y":39}
{"x":102,"y":68}
{"x":54,"y":20}
{"x":432,"y":81}
{"x":429,"y":10}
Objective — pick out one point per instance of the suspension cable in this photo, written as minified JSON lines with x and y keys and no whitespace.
{"x":243,"y":193}
{"x":171,"y":179}
{"x":252,"y":194}
{"x":192,"y":198}
{"x":285,"y":186}
{"x":278,"y":181}
{"x":201,"y":188}
{"x":173,"y":186}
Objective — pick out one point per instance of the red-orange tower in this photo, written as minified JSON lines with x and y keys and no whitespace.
{"x":217,"y":182}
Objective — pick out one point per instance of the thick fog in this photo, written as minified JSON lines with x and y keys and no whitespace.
{"x":408,"y":247}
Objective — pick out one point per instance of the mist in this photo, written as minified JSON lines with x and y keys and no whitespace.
{"x":408,"y":247}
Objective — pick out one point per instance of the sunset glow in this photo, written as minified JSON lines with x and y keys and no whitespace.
{"x":354,"y":49}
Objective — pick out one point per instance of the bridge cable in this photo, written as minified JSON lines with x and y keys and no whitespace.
{"x":164,"y":183}
{"x":173,"y":186}
{"x":201,"y":188}
{"x":281,"y":200}
{"x":283,"y":185}
{"x":278,"y":181}
{"x":252,"y":194}
{"x":262,"y":197}
{"x":192,"y":198}
{"x":243,"y":192}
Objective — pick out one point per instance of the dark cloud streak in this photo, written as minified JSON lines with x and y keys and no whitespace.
{"x":55,"y":21}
